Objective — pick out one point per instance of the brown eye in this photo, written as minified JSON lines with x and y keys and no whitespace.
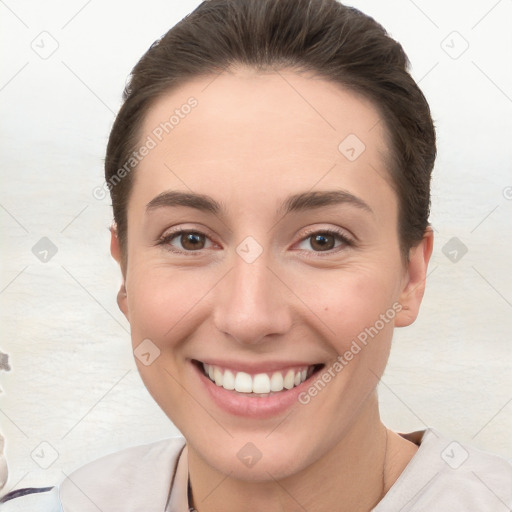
{"x":322,"y":242}
{"x":325,"y":241}
{"x":186,"y":241}
{"x":192,"y":241}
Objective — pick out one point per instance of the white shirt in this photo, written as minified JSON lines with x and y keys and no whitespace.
{"x":443,"y":476}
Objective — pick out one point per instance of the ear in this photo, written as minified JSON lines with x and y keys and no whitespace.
{"x":413,"y":286}
{"x":115,"y":251}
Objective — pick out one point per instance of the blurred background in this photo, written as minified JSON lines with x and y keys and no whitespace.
{"x":70,"y":391}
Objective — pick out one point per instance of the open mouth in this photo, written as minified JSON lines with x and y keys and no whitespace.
{"x":260,"y":384}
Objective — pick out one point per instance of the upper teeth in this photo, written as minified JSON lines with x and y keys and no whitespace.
{"x":259,"y":383}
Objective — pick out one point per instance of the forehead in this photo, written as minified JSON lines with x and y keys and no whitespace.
{"x":281,"y":129}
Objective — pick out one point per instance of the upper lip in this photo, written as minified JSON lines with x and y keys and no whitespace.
{"x":256,"y":367}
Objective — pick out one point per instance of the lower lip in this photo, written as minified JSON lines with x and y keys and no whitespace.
{"x":257,"y":407}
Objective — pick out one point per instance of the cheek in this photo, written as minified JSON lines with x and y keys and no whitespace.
{"x":160,"y":299}
{"x":349,"y":302}
{"x":165,"y":307}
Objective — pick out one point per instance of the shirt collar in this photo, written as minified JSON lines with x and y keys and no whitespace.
{"x":178,"y":496}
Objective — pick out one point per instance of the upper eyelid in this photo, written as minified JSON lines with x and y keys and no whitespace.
{"x":180,"y":231}
{"x":336,"y":231}
{"x":179,"y":228}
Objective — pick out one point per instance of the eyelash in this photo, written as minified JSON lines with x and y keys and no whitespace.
{"x":338,"y":234}
{"x":345,"y":240}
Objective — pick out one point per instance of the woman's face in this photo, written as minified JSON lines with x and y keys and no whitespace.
{"x":291,"y":251}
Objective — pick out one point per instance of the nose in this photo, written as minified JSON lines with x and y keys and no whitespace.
{"x":251,"y":302}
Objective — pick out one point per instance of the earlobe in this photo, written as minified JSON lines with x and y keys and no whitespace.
{"x":414,"y":281}
{"x":122,"y":301}
{"x":115,"y":251}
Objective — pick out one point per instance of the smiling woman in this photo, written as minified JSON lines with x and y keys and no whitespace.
{"x":270,"y":240}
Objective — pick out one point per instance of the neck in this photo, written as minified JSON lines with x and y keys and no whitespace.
{"x":352,"y":476}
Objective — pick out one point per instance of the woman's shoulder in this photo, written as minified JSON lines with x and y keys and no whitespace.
{"x":445,"y":474}
{"x":133,"y":473}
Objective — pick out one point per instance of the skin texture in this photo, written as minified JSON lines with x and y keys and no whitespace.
{"x":252,"y":140}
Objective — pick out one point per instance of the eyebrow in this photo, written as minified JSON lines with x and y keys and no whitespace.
{"x":174,"y":198}
{"x":294,"y":203}
{"x":312,"y":200}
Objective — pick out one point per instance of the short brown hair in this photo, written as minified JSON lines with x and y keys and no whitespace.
{"x":335,"y":42}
